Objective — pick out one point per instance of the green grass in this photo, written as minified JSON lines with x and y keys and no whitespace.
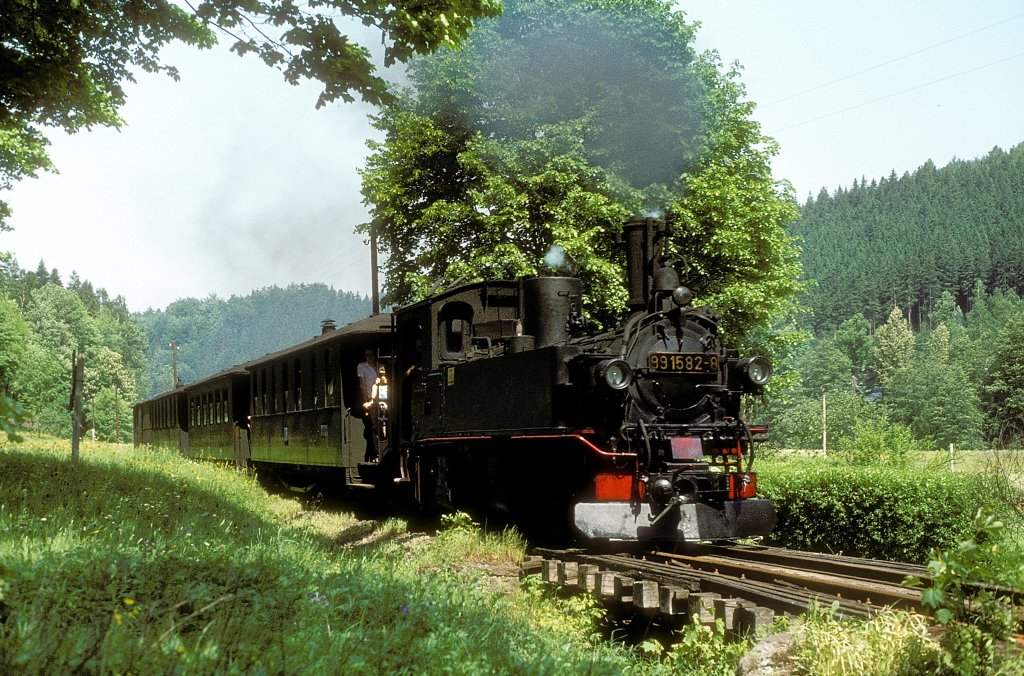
{"x":891,"y":642}
{"x":142,"y":561}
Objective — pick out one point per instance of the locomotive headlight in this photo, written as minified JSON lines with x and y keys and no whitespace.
{"x":615,"y":373}
{"x":757,"y":370}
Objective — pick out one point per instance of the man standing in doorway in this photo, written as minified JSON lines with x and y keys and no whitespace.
{"x":367,"y":371}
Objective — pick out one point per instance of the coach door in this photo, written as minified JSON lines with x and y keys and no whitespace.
{"x":242,"y":452}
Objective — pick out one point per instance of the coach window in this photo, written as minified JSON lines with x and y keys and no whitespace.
{"x":314,"y":380}
{"x":274,"y":384}
{"x":298,"y":384}
{"x":286,"y":399}
{"x":328,"y":379}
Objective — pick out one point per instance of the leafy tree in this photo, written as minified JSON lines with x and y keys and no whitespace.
{"x":894,"y":344}
{"x":930,"y":396}
{"x":823,"y":368}
{"x":14,"y":335}
{"x":550,"y":127}
{"x":1002,"y":395}
{"x":12,"y":415}
{"x":37,"y":342}
{"x":60,"y":320}
{"x":798,"y":424}
{"x":853,"y":339}
{"x":109,"y":385}
{"x":43,"y":389}
{"x":64,"y":63}
{"x":733,"y":213}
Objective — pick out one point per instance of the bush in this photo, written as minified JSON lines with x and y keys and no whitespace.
{"x":877,"y":441}
{"x":871,"y":511}
{"x":962,"y":596}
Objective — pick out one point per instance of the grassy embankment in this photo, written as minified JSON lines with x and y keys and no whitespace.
{"x":140,"y":562}
{"x":144,"y":562}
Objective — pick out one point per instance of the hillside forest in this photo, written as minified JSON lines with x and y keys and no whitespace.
{"x":913,"y":314}
{"x":128,"y":356}
{"x":913,"y":323}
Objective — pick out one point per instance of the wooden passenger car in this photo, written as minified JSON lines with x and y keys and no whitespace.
{"x":218,"y":417}
{"x":305,"y":402}
{"x":163,"y":421}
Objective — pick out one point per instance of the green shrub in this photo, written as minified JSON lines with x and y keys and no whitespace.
{"x":960,"y":596}
{"x":879,"y":442}
{"x":705,"y":651}
{"x":881,"y":512}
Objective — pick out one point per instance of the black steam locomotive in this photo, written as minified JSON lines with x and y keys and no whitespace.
{"x":500,"y":401}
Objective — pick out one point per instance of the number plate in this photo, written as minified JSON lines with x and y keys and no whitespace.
{"x":683,"y":362}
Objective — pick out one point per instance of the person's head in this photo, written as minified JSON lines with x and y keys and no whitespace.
{"x":370,"y":355}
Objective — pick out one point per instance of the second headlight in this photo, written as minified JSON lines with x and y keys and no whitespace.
{"x":614,"y":373}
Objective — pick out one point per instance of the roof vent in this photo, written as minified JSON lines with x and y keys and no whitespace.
{"x":327,"y":326}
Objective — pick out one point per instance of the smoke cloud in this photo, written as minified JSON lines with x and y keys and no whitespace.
{"x":630,"y":77}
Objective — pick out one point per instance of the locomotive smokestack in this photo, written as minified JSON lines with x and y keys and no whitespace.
{"x":639,"y":236}
{"x":634,"y":236}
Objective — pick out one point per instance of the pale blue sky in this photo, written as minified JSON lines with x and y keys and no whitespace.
{"x":229,"y":180}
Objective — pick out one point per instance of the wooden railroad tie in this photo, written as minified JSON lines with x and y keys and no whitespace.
{"x":648,"y":597}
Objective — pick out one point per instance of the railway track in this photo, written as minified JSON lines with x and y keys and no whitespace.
{"x":745,"y":586}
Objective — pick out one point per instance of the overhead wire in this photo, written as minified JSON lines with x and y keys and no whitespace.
{"x":902,"y":91}
{"x":893,"y":60}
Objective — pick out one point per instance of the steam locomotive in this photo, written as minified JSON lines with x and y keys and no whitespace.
{"x":501,"y":401}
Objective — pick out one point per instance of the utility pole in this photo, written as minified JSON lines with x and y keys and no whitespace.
{"x":824,"y":424}
{"x":374,"y":290}
{"x":174,"y":362}
{"x":77,"y":381}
